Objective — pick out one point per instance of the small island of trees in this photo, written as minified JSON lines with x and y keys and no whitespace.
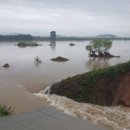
{"x":100,"y":48}
{"x":26,"y":44}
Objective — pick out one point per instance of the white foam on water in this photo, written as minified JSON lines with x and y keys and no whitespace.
{"x":118,"y":118}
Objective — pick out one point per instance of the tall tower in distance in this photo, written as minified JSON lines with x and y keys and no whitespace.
{"x":53,"y":35}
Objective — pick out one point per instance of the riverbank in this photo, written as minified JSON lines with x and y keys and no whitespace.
{"x":106,"y":87}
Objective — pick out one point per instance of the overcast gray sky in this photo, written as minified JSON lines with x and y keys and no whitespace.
{"x":67,"y":17}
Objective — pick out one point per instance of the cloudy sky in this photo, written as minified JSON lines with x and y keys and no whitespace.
{"x":67,"y":17}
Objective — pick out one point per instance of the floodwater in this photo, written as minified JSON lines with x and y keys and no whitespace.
{"x":25,"y":76}
{"x":114,"y":118}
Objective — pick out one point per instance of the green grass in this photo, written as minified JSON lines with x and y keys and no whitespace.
{"x":25,"y":44}
{"x":88,"y":80}
{"x":5,"y":111}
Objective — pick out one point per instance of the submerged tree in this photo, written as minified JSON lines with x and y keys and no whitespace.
{"x":99,"y":47}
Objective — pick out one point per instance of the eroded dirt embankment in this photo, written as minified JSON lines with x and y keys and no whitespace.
{"x":106,"y":87}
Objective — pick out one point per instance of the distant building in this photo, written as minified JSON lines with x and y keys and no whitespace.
{"x":53,"y":35}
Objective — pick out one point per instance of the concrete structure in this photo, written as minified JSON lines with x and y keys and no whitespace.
{"x":47,"y":118}
{"x":53,"y":35}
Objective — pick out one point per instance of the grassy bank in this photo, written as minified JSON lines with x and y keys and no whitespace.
{"x":89,"y":79}
{"x":97,"y":87}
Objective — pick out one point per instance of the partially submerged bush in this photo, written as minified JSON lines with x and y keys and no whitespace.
{"x":72,"y":44}
{"x":38,"y":60}
{"x":6,"y":65}
{"x":5,"y":111}
{"x":99,"y":48}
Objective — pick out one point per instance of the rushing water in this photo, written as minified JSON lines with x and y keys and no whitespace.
{"x":116,"y":118}
{"x":25,"y":77}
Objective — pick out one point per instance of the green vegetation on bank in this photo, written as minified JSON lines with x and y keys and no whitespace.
{"x":5,"y":111}
{"x":89,"y":79}
{"x":26,"y":44}
{"x":81,"y":87}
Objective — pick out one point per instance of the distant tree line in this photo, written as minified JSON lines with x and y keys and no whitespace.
{"x":28,"y":37}
{"x":15,"y":37}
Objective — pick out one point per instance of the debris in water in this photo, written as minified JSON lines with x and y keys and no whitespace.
{"x":60,"y":59}
{"x":6,"y":65}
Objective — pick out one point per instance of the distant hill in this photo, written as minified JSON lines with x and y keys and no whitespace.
{"x":107,"y":36}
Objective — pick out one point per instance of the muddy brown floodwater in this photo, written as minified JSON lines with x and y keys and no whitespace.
{"x":24,"y":76}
